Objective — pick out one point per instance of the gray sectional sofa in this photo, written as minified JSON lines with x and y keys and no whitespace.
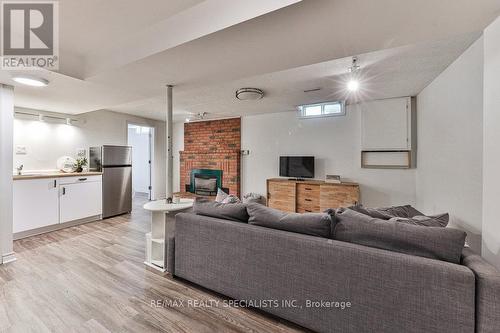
{"x":328,"y":285}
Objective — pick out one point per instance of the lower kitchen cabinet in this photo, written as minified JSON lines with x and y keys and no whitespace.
{"x":46,"y":204}
{"x":80,"y":200}
{"x":36,"y":204}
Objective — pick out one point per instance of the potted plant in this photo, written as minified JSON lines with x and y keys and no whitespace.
{"x":80,"y":163}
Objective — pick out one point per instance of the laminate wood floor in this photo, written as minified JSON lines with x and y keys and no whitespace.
{"x":91,"y":278}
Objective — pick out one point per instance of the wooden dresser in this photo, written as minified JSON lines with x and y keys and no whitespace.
{"x":309,"y":195}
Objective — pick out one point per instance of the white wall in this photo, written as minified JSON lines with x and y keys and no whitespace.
{"x":491,"y":159}
{"x":138,"y":138}
{"x":450,"y":144}
{"x":336,"y":144}
{"x":47,"y":141}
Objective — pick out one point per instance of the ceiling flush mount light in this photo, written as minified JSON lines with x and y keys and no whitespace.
{"x":31,"y":81}
{"x":249,"y":94}
{"x":353,"y":84}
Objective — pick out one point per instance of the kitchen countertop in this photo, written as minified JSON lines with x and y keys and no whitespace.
{"x":42,"y":175}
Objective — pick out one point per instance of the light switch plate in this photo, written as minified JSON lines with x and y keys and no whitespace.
{"x":21,"y":150}
{"x":81,"y":152}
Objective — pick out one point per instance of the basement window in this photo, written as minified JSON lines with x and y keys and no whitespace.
{"x":326,"y":109}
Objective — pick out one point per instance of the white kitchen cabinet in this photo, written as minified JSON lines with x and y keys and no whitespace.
{"x":388,"y":124}
{"x":36,"y":204}
{"x":80,"y":199}
{"x":47,"y":204}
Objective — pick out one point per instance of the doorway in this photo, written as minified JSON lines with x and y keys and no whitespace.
{"x":141,"y":139}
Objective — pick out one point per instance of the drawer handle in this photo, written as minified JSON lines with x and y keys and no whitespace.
{"x":82,"y":179}
{"x":55,"y":183}
{"x":308,"y":188}
{"x":307,"y":210}
{"x":64,"y":190}
{"x":307,"y":199}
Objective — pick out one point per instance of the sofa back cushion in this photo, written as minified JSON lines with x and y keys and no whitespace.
{"x":400,"y":211}
{"x":314,"y":224}
{"x":228,"y":211}
{"x":406,"y":214}
{"x":440,"y":220}
{"x":431,"y":242}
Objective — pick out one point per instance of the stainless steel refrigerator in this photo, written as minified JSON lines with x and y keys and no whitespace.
{"x":115,"y":163}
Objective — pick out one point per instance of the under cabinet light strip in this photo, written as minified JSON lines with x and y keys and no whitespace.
{"x":37,"y":115}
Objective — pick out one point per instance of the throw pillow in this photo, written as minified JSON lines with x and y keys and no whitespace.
{"x":253,"y":197}
{"x":234,"y":211}
{"x":221,"y":195}
{"x":430,"y":242}
{"x":372,"y":212}
{"x":314,"y":224}
{"x":400,"y":211}
{"x":404,"y":213}
{"x":440,"y":220}
{"x":231,"y":199}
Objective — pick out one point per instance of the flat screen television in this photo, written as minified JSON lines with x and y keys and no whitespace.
{"x":297,"y":166}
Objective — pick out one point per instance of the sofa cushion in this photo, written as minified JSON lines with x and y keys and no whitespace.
{"x":406,"y":214}
{"x":314,"y":224}
{"x":387,"y":213}
{"x":227,"y":211}
{"x":400,"y":211}
{"x":430,"y":242}
{"x":440,"y":220}
{"x":372,"y":212}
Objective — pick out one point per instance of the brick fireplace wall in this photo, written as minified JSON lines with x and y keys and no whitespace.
{"x":213,"y":144}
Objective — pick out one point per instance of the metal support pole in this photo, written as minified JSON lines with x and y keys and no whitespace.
{"x":170,"y":156}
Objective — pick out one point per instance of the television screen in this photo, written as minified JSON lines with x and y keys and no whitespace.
{"x":297,"y":166}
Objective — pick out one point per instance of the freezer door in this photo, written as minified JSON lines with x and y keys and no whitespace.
{"x":116,"y":155}
{"x":116,"y":191}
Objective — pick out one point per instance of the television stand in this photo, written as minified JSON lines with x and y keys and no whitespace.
{"x":310,"y":196}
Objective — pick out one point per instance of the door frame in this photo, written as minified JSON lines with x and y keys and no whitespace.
{"x":152,"y":136}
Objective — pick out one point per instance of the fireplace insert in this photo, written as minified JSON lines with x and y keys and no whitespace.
{"x":205,"y":185}
{"x":205,"y":182}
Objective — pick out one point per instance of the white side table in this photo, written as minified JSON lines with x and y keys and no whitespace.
{"x":162,"y":229}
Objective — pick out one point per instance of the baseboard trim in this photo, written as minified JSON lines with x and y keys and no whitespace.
{"x":8,"y":257}
{"x":54,"y":227}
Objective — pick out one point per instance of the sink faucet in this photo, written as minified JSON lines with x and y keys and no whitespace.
{"x":20,"y":169}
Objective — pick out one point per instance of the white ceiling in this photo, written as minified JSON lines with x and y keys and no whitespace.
{"x":119,"y":54}
{"x":402,"y":71}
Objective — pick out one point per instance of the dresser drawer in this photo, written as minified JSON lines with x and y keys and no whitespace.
{"x":307,"y":191}
{"x":308,"y":209}
{"x":308,"y":205}
{"x":308,"y":195}
{"x":281,"y":195}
